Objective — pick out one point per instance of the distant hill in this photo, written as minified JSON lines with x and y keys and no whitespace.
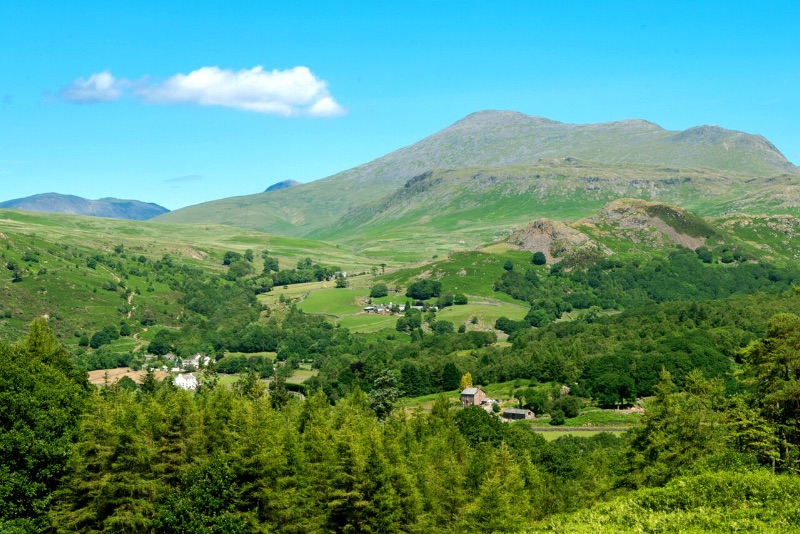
{"x":282,"y":185}
{"x":105,"y":207}
{"x":495,"y":170}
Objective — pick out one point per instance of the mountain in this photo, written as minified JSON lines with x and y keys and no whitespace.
{"x":105,"y":207}
{"x":495,"y":170}
{"x":282,"y":185}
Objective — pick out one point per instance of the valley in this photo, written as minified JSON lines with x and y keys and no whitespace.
{"x":633,"y":289}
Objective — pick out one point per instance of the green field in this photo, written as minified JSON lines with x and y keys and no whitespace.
{"x":337,"y":301}
{"x":552,"y":435}
{"x":366,"y":323}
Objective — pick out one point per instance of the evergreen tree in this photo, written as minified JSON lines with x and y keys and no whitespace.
{"x":42,"y":396}
{"x":279,"y":396}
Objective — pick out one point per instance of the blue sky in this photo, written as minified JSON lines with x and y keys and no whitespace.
{"x":193,"y":101}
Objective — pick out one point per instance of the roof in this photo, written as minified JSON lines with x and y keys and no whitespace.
{"x":517,"y":410}
{"x":470,"y":391}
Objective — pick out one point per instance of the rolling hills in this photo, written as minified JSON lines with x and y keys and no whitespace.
{"x":493,"y":171}
{"x":105,"y":207}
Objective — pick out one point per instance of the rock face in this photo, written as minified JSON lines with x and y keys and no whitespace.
{"x":113,"y":208}
{"x":640,"y":220}
{"x":554,"y":239}
{"x":636,"y":221}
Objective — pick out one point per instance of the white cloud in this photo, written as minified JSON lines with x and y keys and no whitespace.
{"x":294,"y":91}
{"x":290,"y":92}
{"x":99,"y":87}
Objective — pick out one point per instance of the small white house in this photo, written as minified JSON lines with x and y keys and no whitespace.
{"x":188,"y":382}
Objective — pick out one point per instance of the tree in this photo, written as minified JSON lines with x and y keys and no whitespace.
{"x":466,"y":381}
{"x":124,"y":329}
{"x":341,"y":281}
{"x":384,"y":393}
{"x":508,"y":265}
{"x":451,"y":377}
{"x":445,"y":300}
{"x":249,"y":385}
{"x":773,"y":363}
{"x":539,"y":258}
{"x":677,"y":430}
{"x":379,"y":290}
{"x":704,"y":254}
{"x":231,"y":257}
{"x":279,"y":396}
{"x":270,"y":264}
{"x":442,"y":327}
{"x":239,"y":268}
{"x":99,"y":339}
{"x":42,"y":396}
{"x":424,"y":289}
{"x":206,"y":502}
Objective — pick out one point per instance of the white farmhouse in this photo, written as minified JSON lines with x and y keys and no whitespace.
{"x":188,"y":382}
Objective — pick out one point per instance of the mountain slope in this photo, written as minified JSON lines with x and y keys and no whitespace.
{"x":501,"y":168}
{"x":105,"y":207}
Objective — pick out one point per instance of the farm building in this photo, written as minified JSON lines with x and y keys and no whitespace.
{"x":515,"y":414}
{"x":472,"y":396}
{"x":187,"y":382}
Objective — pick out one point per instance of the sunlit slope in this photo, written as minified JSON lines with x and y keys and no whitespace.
{"x":628,"y":157}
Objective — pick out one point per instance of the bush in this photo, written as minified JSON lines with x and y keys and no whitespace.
{"x":557,"y":418}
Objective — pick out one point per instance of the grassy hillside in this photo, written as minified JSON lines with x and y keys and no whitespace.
{"x":472,"y":182}
{"x":86,"y":273}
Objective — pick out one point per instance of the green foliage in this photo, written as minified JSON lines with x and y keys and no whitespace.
{"x":279,"y":396}
{"x":205,"y":502}
{"x":773,"y":364}
{"x":379,"y":290}
{"x":384,"y":394}
{"x":42,"y":397}
{"x":727,"y":501}
{"x":424,"y":289}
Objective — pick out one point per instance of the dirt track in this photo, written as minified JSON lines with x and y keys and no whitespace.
{"x":98,"y":378}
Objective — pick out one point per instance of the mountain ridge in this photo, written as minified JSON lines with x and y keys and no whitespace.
{"x":506,"y":154}
{"x":105,"y":207}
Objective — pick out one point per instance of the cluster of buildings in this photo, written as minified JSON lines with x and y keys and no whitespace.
{"x":475,"y":396}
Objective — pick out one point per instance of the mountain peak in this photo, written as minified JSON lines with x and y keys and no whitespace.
{"x":492,"y":118}
{"x":282,"y":185}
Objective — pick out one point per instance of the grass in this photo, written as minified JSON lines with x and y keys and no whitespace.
{"x":600,"y":418}
{"x":338,"y":301}
{"x":301,"y":375}
{"x":552,"y":435}
{"x":366,"y":323}
{"x":472,"y":273}
{"x":486,"y":311}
